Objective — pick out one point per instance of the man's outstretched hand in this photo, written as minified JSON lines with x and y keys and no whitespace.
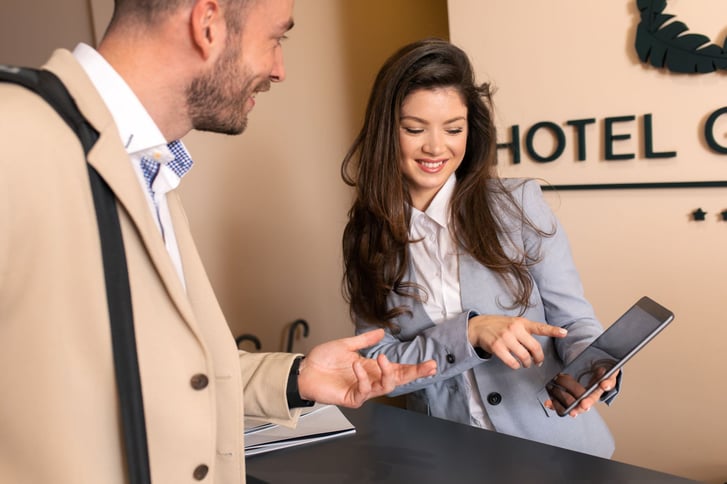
{"x":335,"y":373}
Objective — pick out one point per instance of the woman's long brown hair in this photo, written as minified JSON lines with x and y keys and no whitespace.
{"x":375,"y":255}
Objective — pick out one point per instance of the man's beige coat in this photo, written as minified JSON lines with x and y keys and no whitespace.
{"x":59,"y":416}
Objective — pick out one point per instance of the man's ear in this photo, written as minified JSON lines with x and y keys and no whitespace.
{"x":207,"y":27}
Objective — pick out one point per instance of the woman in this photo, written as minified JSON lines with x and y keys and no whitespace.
{"x":458,"y":265}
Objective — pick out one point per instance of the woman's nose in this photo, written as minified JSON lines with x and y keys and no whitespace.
{"x":433,"y":144}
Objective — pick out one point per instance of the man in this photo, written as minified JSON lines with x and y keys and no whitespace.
{"x":163,"y":68}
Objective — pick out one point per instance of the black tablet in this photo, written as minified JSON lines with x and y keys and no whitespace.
{"x":607,"y":354}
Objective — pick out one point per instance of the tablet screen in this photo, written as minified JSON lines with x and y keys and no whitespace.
{"x":608,"y":352}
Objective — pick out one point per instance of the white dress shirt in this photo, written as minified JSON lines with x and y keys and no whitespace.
{"x":141,"y":138}
{"x":435,"y":262}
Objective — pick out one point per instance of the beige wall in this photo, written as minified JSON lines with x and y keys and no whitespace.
{"x":571,"y":59}
{"x":30,"y":30}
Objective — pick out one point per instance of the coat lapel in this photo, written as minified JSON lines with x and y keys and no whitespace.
{"x":111,"y":161}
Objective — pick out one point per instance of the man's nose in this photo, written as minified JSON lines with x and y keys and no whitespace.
{"x":278,"y":72}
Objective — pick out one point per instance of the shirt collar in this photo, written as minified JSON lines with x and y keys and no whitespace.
{"x":438,"y":209}
{"x":136,"y":128}
{"x":181,"y":162}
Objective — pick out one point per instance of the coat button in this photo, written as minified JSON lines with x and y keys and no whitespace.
{"x":200,"y":472}
{"x":199,"y":381}
{"x":494,"y":398}
{"x":450,"y":358}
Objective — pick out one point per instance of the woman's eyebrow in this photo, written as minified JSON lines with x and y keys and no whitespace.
{"x":415,"y":118}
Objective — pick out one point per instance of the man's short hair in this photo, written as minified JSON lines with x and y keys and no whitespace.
{"x":151,"y":11}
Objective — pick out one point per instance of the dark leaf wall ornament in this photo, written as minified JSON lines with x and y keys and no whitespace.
{"x":668,"y":45}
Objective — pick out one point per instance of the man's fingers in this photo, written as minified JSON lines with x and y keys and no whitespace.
{"x":426,"y":368}
{"x":388,"y":378}
{"x":363,"y":386}
{"x":405,"y":373}
{"x":364,"y":340}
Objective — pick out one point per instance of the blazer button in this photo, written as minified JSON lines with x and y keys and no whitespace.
{"x":199,"y":381}
{"x":200,"y":472}
{"x":494,"y":398}
{"x":450,"y":358}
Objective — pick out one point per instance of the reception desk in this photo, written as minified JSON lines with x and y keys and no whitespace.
{"x":392,"y":445}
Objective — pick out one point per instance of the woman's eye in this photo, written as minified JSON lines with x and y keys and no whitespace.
{"x":454,"y":130}
{"x":413,"y":130}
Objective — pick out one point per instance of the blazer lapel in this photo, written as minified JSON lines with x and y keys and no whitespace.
{"x":111,"y":161}
{"x":482,"y":289}
{"x":473,"y":283}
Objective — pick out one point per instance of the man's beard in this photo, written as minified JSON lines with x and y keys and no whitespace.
{"x":214,"y":100}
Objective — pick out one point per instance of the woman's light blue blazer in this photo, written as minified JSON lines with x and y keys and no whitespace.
{"x":513,"y":398}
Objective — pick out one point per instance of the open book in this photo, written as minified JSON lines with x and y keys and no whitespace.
{"x":319,"y":422}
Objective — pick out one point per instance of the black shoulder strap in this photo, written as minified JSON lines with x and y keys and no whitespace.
{"x":49,"y":87}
